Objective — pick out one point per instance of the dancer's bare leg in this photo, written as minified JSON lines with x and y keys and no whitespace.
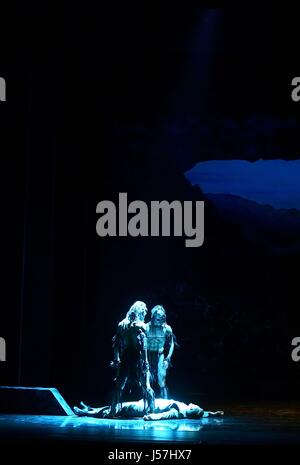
{"x":100,"y":412}
{"x":120,"y":385}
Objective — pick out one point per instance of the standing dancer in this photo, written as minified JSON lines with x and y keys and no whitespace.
{"x":130,"y":356}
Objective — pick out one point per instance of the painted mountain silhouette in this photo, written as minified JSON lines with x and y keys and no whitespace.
{"x":278,"y":229}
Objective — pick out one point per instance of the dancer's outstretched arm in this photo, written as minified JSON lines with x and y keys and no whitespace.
{"x":218,"y":413}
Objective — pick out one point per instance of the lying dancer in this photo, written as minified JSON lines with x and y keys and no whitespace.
{"x":165,"y":409}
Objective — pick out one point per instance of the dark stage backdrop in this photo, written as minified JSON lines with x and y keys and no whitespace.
{"x":127,"y":99}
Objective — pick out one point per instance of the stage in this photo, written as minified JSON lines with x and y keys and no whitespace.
{"x":243,"y":424}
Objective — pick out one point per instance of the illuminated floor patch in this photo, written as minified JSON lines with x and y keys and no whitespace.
{"x":243,"y":426}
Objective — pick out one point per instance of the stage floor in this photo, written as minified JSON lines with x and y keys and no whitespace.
{"x":241,"y":425}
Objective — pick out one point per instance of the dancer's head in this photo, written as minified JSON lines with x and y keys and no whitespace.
{"x":158,"y":315}
{"x":194,"y":411}
{"x":137,"y":311}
